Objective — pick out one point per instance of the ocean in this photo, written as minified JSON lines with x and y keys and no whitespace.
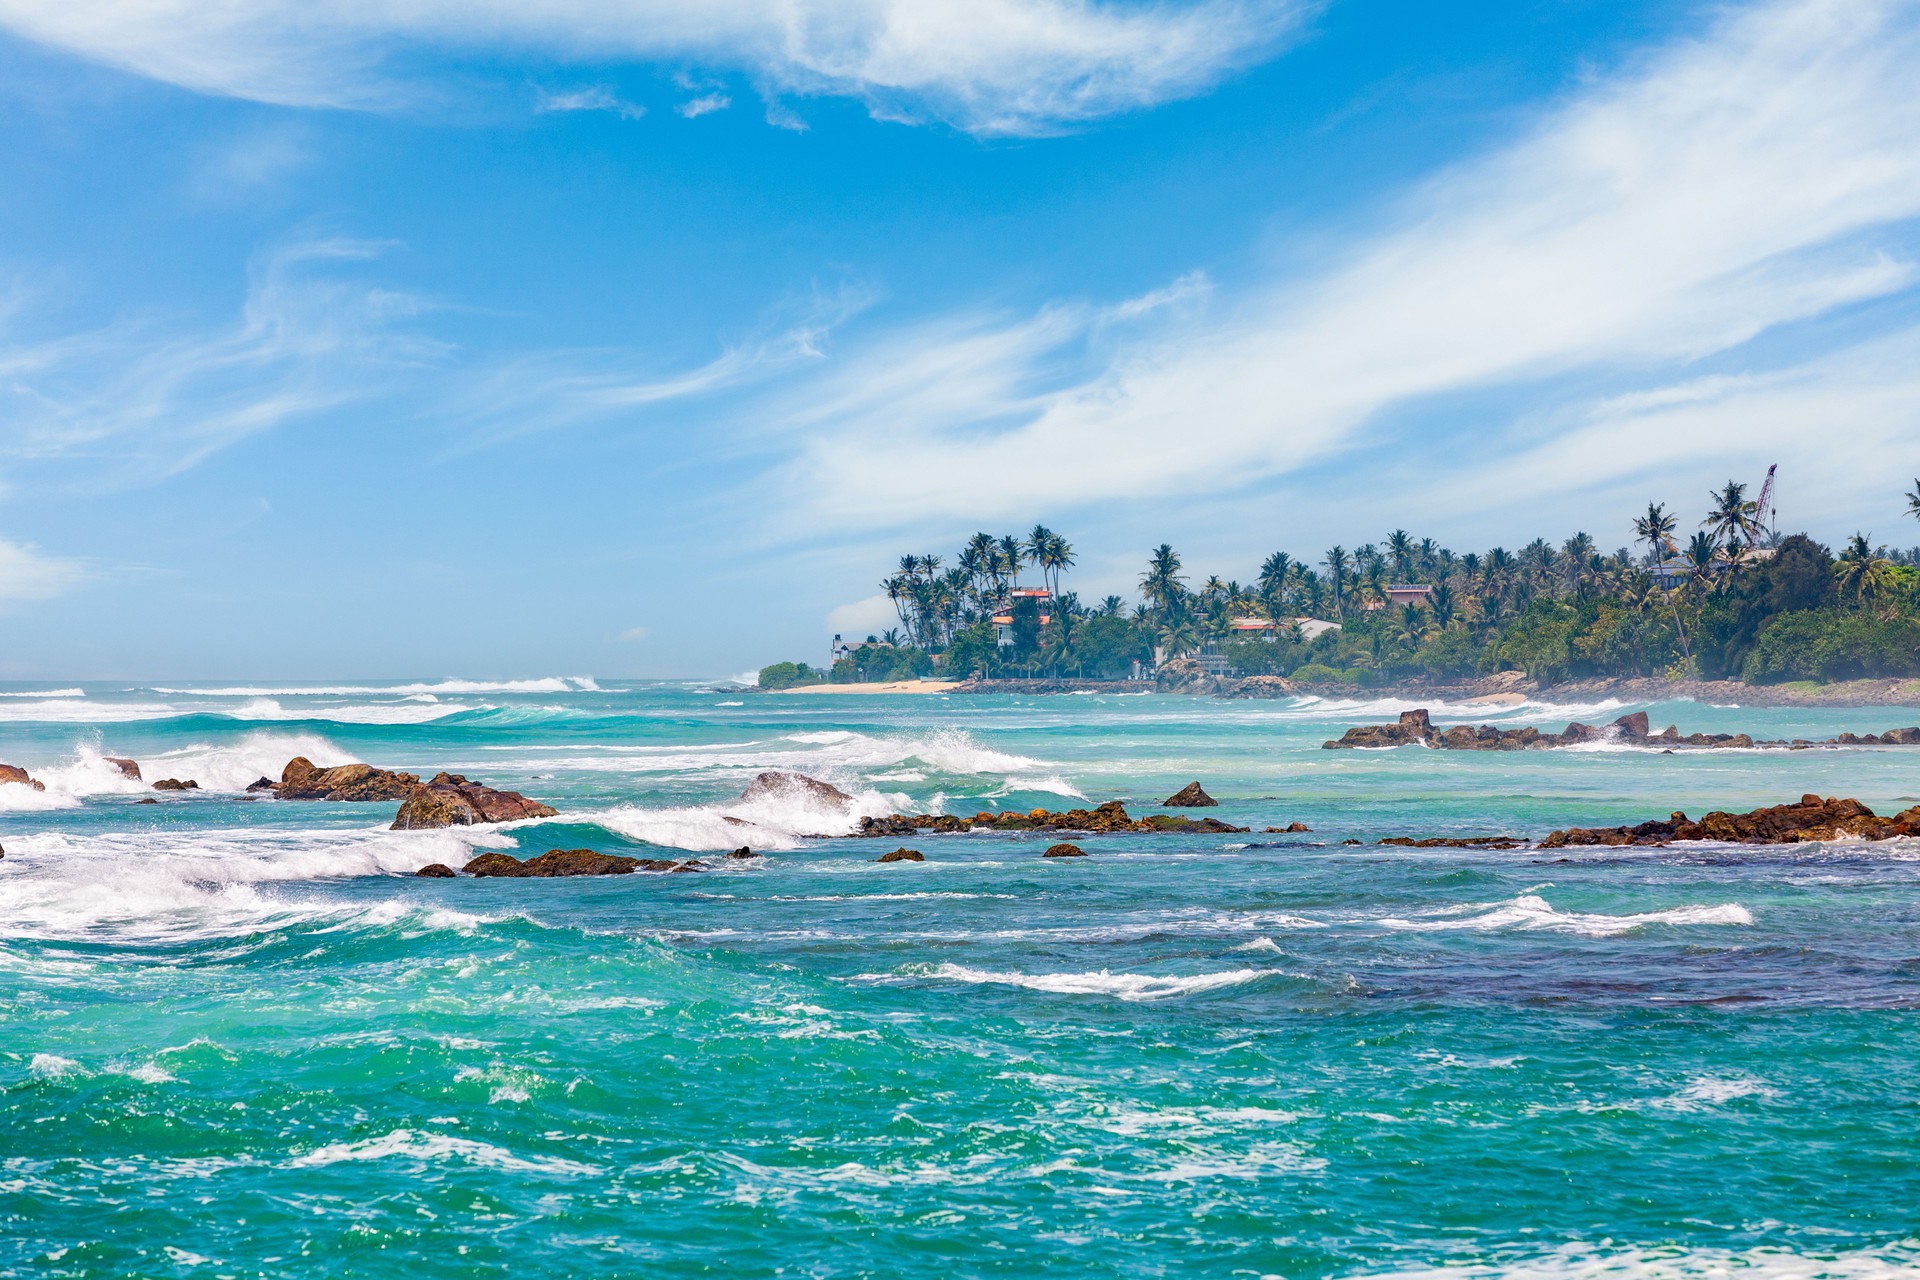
{"x":240,"y":1040}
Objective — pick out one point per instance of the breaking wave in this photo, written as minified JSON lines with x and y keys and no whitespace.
{"x":549,"y":684}
{"x":1100,"y":982}
{"x":777,"y":822}
{"x":1530,"y":911}
{"x":1674,"y":1262}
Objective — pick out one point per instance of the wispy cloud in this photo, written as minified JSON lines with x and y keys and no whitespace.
{"x":595,"y":98}
{"x":704,"y":104}
{"x":139,"y":402}
{"x":991,"y":66}
{"x":26,"y":573}
{"x":1716,"y":190}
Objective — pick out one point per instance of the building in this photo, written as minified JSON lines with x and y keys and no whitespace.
{"x":1255,"y":629}
{"x":1400,"y":594}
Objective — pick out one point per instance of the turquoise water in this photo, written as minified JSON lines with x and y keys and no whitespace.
{"x":240,"y":1042}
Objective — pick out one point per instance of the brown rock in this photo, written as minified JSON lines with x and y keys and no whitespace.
{"x":1289,"y":829}
{"x":902,"y":855}
{"x":1065,"y":851}
{"x":1457,"y":842}
{"x":1811,"y":819}
{"x":1190,"y":797}
{"x":1411,"y":727}
{"x":174,"y":784}
{"x":147,"y":800}
{"x":436,"y":871}
{"x":1109,"y":817}
{"x":13,"y":773}
{"x":128,"y":769}
{"x":261,"y":784}
{"x":1633,"y":726}
{"x":551,"y":864}
{"x":450,"y":800}
{"x":776,"y":784}
{"x":743,"y":852}
{"x":356,"y":782}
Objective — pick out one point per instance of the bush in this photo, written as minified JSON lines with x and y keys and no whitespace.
{"x":1318,"y":673}
{"x":1829,"y":644}
{"x":785,"y":675}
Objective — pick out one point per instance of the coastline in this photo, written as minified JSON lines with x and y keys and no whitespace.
{"x":884,"y":686}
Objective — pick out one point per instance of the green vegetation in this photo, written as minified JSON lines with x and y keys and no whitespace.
{"x":1735,"y":602}
{"x":785,"y":675}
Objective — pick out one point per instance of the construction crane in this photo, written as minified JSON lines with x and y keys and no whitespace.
{"x":1763,"y":512}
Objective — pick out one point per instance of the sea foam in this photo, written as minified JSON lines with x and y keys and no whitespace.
{"x":1530,"y":911}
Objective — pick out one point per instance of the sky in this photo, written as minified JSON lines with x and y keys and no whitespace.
{"x":640,"y":338}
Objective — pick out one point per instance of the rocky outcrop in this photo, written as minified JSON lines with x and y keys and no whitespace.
{"x":1633,"y":729}
{"x":356,"y":782}
{"x":128,"y":769}
{"x":1811,"y":819}
{"x":450,"y":800}
{"x":1109,"y":817}
{"x":1289,"y":829}
{"x":1411,"y":727}
{"x":1065,"y":851}
{"x":261,"y":784}
{"x":778,"y":785}
{"x":174,"y":784}
{"x":436,"y":871}
{"x":1189,"y":797}
{"x":1257,"y":687}
{"x":1456,"y":842}
{"x":569,"y":862}
{"x":902,"y":855}
{"x":743,"y":852}
{"x":1184,"y":675}
{"x":16,"y":775}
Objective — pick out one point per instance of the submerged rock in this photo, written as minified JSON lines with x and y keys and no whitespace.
{"x":1289,"y":829}
{"x":902,"y":855}
{"x":1109,"y":817}
{"x":1456,"y":842}
{"x":1811,"y":819}
{"x":551,"y":864}
{"x":1190,"y":797}
{"x":743,"y":852}
{"x":450,"y":800}
{"x":355,"y":782}
{"x":128,"y":769}
{"x":174,"y":784}
{"x":777,"y":784}
{"x":147,"y":800}
{"x":436,"y":871}
{"x":15,"y":774}
{"x":1065,"y":851}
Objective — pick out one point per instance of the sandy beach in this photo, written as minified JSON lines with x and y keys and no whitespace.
{"x":884,"y":686}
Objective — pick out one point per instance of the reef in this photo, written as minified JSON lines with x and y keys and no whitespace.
{"x":451,"y":800}
{"x":1812,"y":818}
{"x":1109,"y":817}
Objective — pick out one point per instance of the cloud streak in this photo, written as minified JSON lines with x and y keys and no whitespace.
{"x":28,"y":574}
{"x":989,"y":66}
{"x":1718,"y":189}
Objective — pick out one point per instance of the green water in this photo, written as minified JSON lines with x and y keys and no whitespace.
{"x":240,"y":1043}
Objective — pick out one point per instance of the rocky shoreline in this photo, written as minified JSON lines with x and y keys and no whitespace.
{"x":1417,"y":728}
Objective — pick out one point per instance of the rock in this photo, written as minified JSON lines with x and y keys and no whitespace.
{"x":174,"y":784}
{"x":1632,"y":726}
{"x":674,"y":865}
{"x":357,"y":782}
{"x":1260,"y":687}
{"x":128,"y":769}
{"x":147,"y":800}
{"x":1289,"y":829}
{"x":902,"y":855}
{"x":1109,"y":817}
{"x":436,"y":871}
{"x":743,"y":852}
{"x":450,"y":800}
{"x":1190,"y":797}
{"x":13,"y":773}
{"x":1065,"y":851}
{"x":261,"y":784}
{"x":1457,"y":842}
{"x":1810,"y":819}
{"x":551,"y":864}
{"x":1412,"y":726}
{"x":776,"y":784}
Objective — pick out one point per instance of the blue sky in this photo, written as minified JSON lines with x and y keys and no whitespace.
{"x":642,"y":337}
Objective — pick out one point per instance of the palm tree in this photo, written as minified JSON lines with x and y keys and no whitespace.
{"x":1861,"y":574}
{"x":1276,"y":571}
{"x":1111,"y":607}
{"x":1178,"y":638}
{"x":1162,"y":584}
{"x":1575,"y":553}
{"x":1400,"y":548}
{"x":1731,"y":517}
{"x":1700,"y":552}
{"x":1412,"y":627}
{"x":1913,"y":499}
{"x":1336,"y":563}
{"x":1440,"y":603}
{"x":891,"y":636}
{"x":1059,"y":558}
{"x":1656,"y":530}
{"x":1012,"y":556}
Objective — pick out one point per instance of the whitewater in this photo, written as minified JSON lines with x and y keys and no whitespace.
{"x":242,"y":1039}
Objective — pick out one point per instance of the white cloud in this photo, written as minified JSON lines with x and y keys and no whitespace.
{"x":27,"y":574}
{"x":635,"y":634}
{"x":591,"y":99}
{"x":863,"y":618}
{"x":693,"y":108}
{"x":1722,"y":188}
{"x":993,"y":66}
{"x":140,"y":404}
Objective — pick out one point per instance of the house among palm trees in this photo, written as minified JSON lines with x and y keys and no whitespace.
{"x":1401,"y":594}
{"x":1003,"y":618}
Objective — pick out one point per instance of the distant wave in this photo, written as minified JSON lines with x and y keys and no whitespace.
{"x":84,"y":711}
{"x":550,"y":684}
{"x":419,"y":1147}
{"x":46,"y":693}
{"x":1530,"y":911}
{"x":1671,"y":1262}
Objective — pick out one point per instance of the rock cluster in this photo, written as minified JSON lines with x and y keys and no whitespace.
{"x":1811,"y":819}
{"x":301,"y":781}
{"x":902,"y":855}
{"x":1457,"y":842}
{"x":15,"y":774}
{"x":565,"y":862}
{"x":1184,"y":675}
{"x":450,"y":800}
{"x":1415,"y":727}
{"x":175,"y":784}
{"x":1111,"y":816}
{"x":1190,"y":797}
{"x":1289,"y":829}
